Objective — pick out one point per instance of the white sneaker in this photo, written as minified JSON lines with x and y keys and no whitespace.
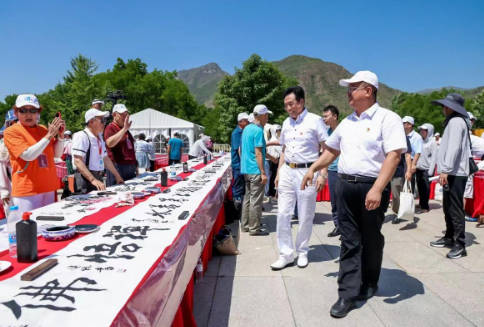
{"x":302,"y":261}
{"x":282,"y":263}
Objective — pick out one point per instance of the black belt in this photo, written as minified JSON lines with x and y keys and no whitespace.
{"x":357,"y":179}
{"x":299,"y":165}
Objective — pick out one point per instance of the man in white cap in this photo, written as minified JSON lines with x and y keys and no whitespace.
{"x":253,"y":152}
{"x":302,"y":137}
{"x":416,"y":142}
{"x":97,"y":104}
{"x":369,"y":143}
{"x":89,"y":152}
{"x":238,"y":183}
{"x":120,"y":145}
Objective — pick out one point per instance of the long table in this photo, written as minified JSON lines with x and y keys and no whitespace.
{"x":134,"y":271}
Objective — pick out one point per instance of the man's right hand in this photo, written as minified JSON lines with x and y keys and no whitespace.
{"x":98,"y":184}
{"x":307,"y":179}
{"x":127,"y":123}
{"x":408,"y":175}
{"x":263,"y":178}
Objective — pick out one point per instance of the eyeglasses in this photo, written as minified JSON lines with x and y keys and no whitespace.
{"x":351,"y":89}
{"x":31,"y":110}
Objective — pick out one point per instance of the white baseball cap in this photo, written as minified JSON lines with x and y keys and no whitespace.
{"x":242,"y":116}
{"x":361,"y":76}
{"x":437,"y":134}
{"x":27,"y":100}
{"x":408,"y":119}
{"x":67,"y":133}
{"x":119,"y":108}
{"x":93,"y":112}
{"x":251,"y":118}
{"x":261,"y":109}
{"x":471,"y":116}
{"x":96,"y":101}
{"x":424,"y":126}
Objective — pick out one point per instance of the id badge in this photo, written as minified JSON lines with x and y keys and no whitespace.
{"x":42,"y":161}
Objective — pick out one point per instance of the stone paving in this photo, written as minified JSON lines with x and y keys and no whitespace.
{"x":419,"y":286}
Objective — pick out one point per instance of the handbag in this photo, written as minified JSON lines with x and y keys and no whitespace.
{"x":407,"y":202}
{"x":472,"y":164}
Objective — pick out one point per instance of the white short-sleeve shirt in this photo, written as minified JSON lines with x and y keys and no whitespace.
{"x":416,"y":142}
{"x":80,"y":145}
{"x":302,"y":137}
{"x":364,"y":141}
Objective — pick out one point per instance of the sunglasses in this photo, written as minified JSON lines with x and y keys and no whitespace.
{"x":31,"y":110}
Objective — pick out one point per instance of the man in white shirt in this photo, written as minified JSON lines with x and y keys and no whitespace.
{"x":369,"y":143}
{"x":199,"y":148}
{"x":416,"y":142}
{"x":302,"y":136}
{"x":90,"y":156}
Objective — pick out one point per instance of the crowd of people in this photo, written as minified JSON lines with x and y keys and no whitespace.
{"x":369,"y":155}
{"x":102,"y":154}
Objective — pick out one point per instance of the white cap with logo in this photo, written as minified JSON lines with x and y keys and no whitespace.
{"x":408,"y":119}
{"x":119,"y":108}
{"x":242,"y":116}
{"x":261,"y":109}
{"x":361,"y":76}
{"x":27,"y":100}
{"x":93,"y":112}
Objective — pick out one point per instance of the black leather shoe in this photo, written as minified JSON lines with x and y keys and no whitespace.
{"x":341,"y":308}
{"x":395,"y":220}
{"x":457,"y":252}
{"x":335,"y":232}
{"x":442,"y":242}
{"x":259,"y":232}
{"x":367,"y":292}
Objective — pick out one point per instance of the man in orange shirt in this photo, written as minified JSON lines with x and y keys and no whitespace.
{"x":32,"y":149}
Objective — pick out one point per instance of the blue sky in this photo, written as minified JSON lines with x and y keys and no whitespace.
{"x":411,"y":45}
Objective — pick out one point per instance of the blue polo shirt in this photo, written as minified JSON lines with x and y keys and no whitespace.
{"x":334,"y":165}
{"x":235,"y":141}
{"x":175,"y":148}
{"x":252,"y":137}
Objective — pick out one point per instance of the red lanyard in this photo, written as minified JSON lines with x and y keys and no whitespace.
{"x":99,"y":145}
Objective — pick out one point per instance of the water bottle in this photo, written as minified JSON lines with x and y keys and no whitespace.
{"x":27,"y":239}
{"x":205,"y":159}
{"x":185,"y":167}
{"x":12,"y":219}
{"x":172,"y":172}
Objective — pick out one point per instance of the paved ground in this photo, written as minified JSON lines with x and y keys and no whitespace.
{"x":419,"y":286}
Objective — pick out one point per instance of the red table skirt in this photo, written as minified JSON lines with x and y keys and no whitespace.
{"x":161,"y":160}
{"x":475,"y":207}
{"x":323,"y":195}
{"x":184,"y":316}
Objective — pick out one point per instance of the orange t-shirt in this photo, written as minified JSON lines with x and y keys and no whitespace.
{"x":30,"y":177}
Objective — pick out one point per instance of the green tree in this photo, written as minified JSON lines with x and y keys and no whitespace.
{"x":476,"y":106}
{"x":257,"y":82}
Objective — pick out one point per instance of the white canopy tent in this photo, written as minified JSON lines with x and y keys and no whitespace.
{"x":160,"y":126}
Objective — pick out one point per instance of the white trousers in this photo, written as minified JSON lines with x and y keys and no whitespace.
{"x":29,"y":203}
{"x":289,"y":191}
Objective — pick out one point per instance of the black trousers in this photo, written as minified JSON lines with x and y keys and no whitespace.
{"x":272,"y":187}
{"x":361,"y":240}
{"x":453,"y":203}
{"x":423,"y":185}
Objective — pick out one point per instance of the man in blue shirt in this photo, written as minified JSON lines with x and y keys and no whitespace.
{"x":175,"y":146}
{"x":416,"y":142}
{"x":252,"y":166}
{"x":238,"y":182}
{"x":330,"y":117}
